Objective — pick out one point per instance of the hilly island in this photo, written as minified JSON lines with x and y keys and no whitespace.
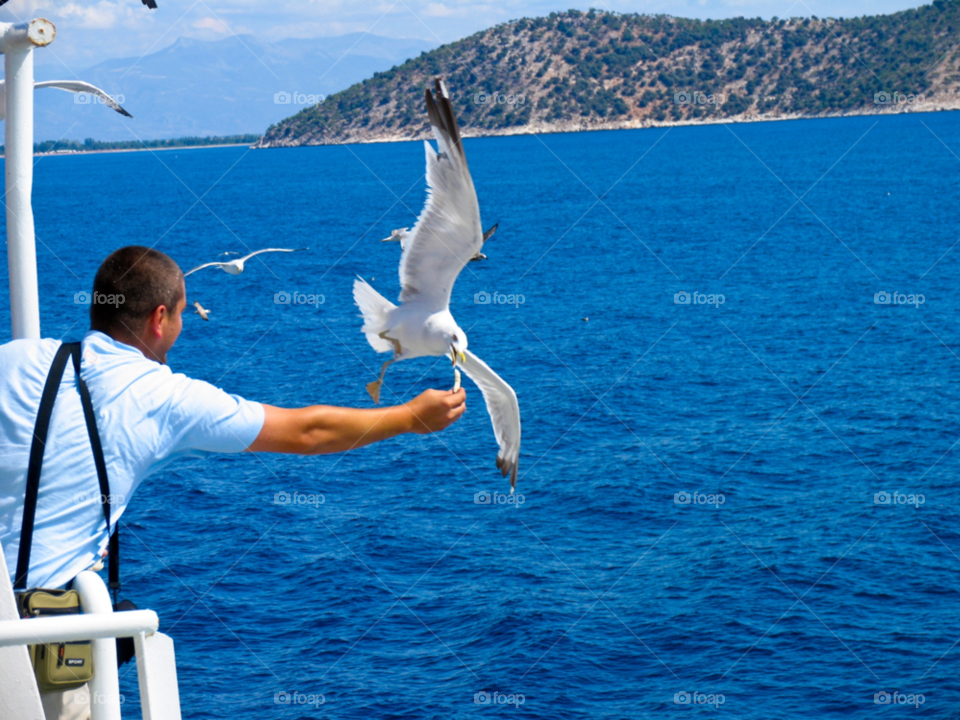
{"x":600,"y":70}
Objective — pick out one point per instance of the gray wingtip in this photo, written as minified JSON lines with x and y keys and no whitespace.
{"x":508,"y":468}
{"x":442,"y":116}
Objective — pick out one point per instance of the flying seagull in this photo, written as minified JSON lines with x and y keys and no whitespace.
{"x":399,"y":235}
{"x":402,"y":234}
{"x":235,"y":267}
{"x":74,"y":86}
{"x":201,"y":310}
{"x":446,"y":236}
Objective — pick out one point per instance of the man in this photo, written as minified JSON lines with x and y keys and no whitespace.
{"x":147,"y":417}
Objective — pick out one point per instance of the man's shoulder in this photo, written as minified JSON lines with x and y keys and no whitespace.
{"x":115,"y":371}
{"x":24,"y":365}
{"x":27,"y":353}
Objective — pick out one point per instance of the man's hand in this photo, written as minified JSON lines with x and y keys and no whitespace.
{"x":435,"y":410}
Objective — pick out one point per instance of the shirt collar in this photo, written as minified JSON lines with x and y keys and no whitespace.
{"x":102,"y":339}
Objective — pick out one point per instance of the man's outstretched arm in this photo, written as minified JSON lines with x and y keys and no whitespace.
{"x":327,"y":429}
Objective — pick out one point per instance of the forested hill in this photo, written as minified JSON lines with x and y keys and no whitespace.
{"x":594,"y":70}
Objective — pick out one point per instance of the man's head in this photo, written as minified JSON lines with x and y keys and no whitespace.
{"x":153,"y":298}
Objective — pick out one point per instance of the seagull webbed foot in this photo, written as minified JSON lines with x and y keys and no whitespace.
{"x":374,"y":389}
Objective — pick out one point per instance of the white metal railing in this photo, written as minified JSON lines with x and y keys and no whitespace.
{"x":82,"y":627}
{"x":155,"y":657}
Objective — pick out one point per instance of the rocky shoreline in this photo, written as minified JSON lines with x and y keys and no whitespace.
{"x":934,"y":104}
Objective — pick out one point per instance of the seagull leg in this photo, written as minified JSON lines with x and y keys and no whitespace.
{"x":396,"y":344}
{"x":374,"y":387}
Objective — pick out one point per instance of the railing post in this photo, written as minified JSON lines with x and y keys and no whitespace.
{"x":105,"y":686}
{"x":157,"y":671}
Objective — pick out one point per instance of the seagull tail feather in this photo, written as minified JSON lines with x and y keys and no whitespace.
{"x":375,"y":309}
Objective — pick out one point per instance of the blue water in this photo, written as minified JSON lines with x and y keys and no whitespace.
{"x":797,"y":399}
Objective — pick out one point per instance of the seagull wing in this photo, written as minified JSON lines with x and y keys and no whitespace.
{"x":504,"y":413}
{"x":247,"y":257}
{"x":206,"y":265}
{"x":448,"y":232}
{"x":76,"y":86}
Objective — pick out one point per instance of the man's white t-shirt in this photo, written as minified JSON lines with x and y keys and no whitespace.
{"x":147,"y":416}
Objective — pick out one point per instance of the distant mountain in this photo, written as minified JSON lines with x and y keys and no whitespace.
{"x":226,"y":87}
{"x":595,"y":70}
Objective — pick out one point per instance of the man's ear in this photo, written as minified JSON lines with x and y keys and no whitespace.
{"x":155,"y":321}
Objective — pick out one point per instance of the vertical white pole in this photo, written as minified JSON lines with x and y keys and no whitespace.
{"x":18,"y":166}
{"x":17,"y":43}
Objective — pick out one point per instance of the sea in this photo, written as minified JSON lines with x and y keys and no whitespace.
{"x":736,"y":350}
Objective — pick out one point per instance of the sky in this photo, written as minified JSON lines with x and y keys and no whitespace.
{"x":90,"y":31}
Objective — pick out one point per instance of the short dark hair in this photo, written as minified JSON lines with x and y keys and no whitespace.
{"x":139,"y":279}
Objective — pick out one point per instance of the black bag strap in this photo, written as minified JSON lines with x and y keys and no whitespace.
{"x":101,"y":465}
{"x":47,"y":400}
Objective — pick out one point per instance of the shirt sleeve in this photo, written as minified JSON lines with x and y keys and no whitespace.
{"x":205,"y":419}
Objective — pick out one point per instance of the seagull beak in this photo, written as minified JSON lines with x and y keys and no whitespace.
{"x":453,"y":356}
{"x":463,"y":357}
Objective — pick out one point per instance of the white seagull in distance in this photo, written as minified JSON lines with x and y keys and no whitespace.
{"x":402,"y":234}
{"x":399,"y":235}
{"x":235,"y":267}
{"x":74,"y":86}
{"x":448,"y":234}
{"x":202,"y":311}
